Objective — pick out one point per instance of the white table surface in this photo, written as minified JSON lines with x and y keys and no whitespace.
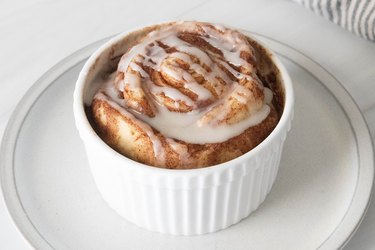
{"x":36,"y":34}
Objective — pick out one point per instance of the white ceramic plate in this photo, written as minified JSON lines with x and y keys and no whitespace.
{"x":318,"y":200}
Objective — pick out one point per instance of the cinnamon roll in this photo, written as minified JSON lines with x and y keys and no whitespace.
{"x":188,"y":95}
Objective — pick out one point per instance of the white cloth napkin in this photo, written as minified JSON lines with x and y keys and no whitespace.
{"x":357,"y":16}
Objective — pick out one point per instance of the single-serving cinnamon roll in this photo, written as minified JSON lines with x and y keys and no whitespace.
{"x":188,"y":95}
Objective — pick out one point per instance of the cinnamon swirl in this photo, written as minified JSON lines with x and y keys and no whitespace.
{"x":188,"y":95}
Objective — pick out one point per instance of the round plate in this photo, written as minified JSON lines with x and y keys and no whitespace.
{"x":318,"y":200}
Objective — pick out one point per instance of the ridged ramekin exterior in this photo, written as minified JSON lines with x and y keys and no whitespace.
{"x":186,"y":205}
{"x":180,"y":202}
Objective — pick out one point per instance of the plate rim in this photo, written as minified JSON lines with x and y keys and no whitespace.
{"x":338,"y":238}
{"x":348,"y":226}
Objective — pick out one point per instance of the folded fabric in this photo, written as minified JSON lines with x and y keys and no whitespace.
{"x":357,"y":16}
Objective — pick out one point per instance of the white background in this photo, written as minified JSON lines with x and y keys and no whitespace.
{"x":36,"y":34}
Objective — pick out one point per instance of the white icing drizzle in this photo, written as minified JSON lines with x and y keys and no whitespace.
{"x":185,"y":127}
{"x":180,"y":149}
{"x":172,"y":93}
{"x":151,"y":53}
{"x":268,"y":96}
{"x":110,"y":95}
{"x":138,"y":69}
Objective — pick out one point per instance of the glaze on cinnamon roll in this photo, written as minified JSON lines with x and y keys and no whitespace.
{"x":188,"y":95}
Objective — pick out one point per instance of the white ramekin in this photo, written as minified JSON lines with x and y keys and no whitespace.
{"x":179,"y":202}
